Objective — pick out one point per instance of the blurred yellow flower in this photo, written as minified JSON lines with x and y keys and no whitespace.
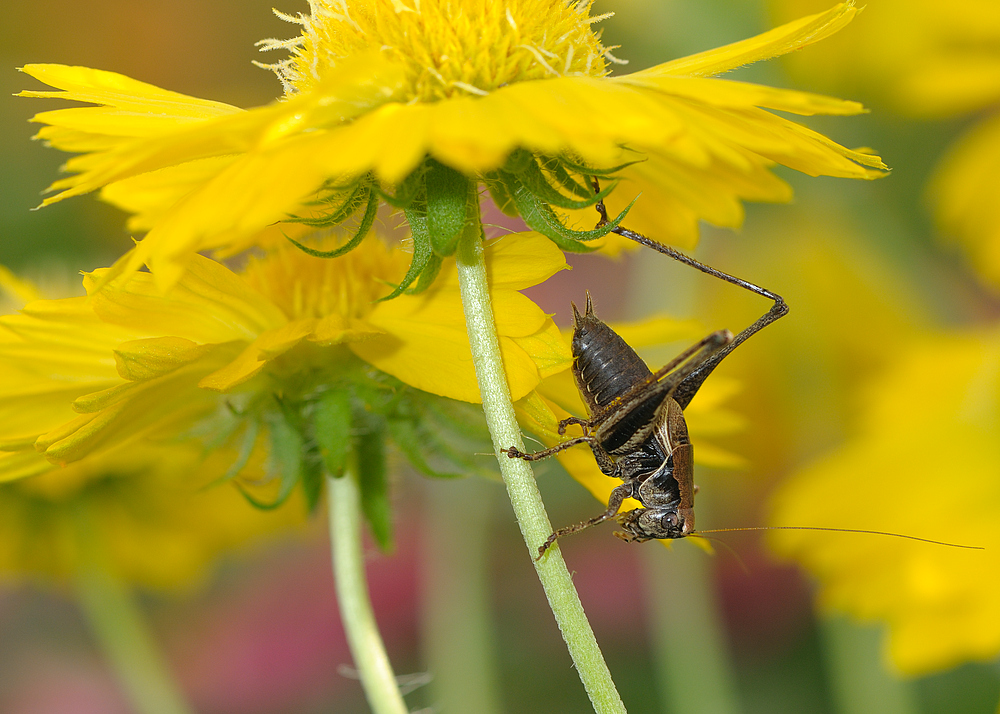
{"x":377,"y":92}
{"x":144,"y":509}
{"x":924,"y":463}
{"x":83,"y":375}
{"x":931,"y":59}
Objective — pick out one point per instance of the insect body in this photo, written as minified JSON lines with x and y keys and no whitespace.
{"x":636,"y":428}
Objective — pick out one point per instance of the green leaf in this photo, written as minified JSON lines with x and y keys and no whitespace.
{"x":331,"y":426}
{"x":366,"y":223}
{"x":374,"y":484}
{"x":421,"y":251}
{"x":447,"y":206}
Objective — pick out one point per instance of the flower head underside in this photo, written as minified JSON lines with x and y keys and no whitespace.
{"x":419,"y":107}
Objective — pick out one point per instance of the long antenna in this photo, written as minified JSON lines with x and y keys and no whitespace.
{"x":841,"y":530}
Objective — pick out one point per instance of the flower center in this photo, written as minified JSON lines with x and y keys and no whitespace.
{"x":446,"y":48}
{"x":304,"y":286}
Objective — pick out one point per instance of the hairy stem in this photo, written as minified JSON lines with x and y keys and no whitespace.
{"x":356,"y":614}
{"x":524,"y":496}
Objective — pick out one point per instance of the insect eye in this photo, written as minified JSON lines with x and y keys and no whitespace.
{"x":671,"y":519}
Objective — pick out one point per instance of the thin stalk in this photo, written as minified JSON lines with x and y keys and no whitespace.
{"x":120,"y":627}
{"x":521,"y":487}
{"x":694,"y":672}
{"x":858,"y":676}
{"x":458,"y":627}
{"x":356,"y":614}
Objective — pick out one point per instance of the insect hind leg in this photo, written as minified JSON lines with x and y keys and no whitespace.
{"x":692,"y":383}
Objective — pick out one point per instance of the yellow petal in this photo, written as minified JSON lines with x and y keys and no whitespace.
{"x":254,"y":358}
{"x":773,"y":43}
{"x":83,"y":84}
{"x":137,"y":360}
{"x":548,"y":350}
{"x":337,"y":329}
{"x":210,"y":305}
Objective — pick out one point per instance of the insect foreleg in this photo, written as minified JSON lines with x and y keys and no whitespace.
{"x":514,"y":453}
{"x":615,"y":500}
{"x":570,"y":421}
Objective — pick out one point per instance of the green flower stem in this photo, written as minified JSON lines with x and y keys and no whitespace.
{"x":356,"y":614}
{"x":857,"y":671}
{"x":521,"y":487}
{"x":119,"y":626}
{"x":691,"y":657}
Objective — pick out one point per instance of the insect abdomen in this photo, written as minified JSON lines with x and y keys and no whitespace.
{"x":605,"y":367}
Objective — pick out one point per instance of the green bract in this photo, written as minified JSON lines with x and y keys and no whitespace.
{"x":442,"y":204}
{"x":344,"y":415}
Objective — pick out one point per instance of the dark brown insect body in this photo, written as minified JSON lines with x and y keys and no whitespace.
{"x":636,"y":427}
{"x":640,"y":433}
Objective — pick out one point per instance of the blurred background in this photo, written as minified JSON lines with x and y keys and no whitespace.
{"x":871,"y":279}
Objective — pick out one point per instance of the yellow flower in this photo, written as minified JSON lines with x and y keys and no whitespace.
{"x":924,"y":463}
{"x":147,"y":512}
{"x":557,"y":397}
{"x":428,"y":101}
{"x":933,"y":59}
{"x":145,"y":509}
{"x":83,"y":375}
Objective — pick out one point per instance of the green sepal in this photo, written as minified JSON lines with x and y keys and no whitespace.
{"x":556,"y":168}
{"x":517,"y":161}
{"x":284,"y":460}
{"x":246,"y":449}
{"x":407,"y":439}
{"x":597,"y":173}
{"x":312,"y":478}
{"x":331,"y":426}
{"x":427,"y":275}
{"x":535,"y":180}
{"x":540,"y":217}
{"x":421,"y":251}
{"x":500,"y":195}
{"x":347,"y":208}
{"x":406,"y":192}
{"x":373,"y":482}
{"x":448,"y":195}
{"x":366,"y":223}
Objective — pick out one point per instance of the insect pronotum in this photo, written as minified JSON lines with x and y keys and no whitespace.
{"x":636,"y":428}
